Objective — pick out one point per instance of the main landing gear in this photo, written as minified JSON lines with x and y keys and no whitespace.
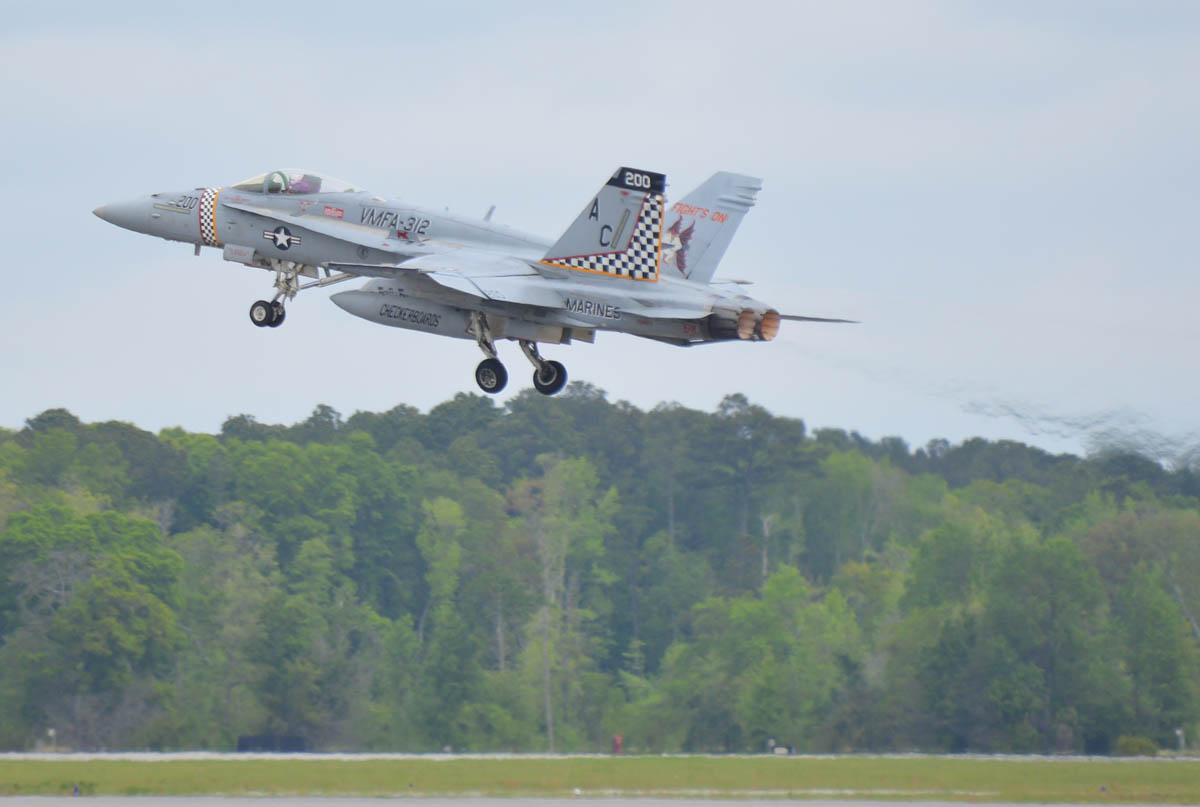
{"x":271,"y":314}
{"x":491,"y":376}
{"x":549,"y":377}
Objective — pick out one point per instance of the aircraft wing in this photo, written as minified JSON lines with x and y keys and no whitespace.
{"x":480,"y":274}
{"x":359,"y":234}
{"x":507,"y":279}
{"x":473,"y":263}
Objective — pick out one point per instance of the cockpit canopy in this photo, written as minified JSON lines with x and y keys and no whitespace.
{"x":293,"y":181}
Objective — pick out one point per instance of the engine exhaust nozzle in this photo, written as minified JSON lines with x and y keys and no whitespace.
{"x":768,"y":326}
{"x":746,"y":324}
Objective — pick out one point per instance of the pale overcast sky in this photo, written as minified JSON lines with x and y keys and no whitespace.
{"x":1006,"y":194}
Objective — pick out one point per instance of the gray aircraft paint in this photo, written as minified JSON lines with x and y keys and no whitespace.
{"x":700,"y":226}
{"x":630,"y":262}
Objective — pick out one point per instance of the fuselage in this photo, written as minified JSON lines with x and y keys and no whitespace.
{"x":316,"y":230}
{"x":628,"y":263}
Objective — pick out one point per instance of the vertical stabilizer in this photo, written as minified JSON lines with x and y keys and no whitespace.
{"x":619,"y":232}
{"x":701,"y":225}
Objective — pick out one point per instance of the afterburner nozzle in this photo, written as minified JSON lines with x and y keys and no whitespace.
{"x":768,"y":326}
{"x":746,"y":322}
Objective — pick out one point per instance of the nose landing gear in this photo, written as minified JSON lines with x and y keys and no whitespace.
{"x":267,"y":315}
{"x":271,"y":314}
{"x":287,"y":282}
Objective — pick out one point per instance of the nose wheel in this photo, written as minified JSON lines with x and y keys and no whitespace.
{"x":267,"y":314}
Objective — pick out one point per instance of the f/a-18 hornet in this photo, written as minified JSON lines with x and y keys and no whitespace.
{"x":629,"y":263}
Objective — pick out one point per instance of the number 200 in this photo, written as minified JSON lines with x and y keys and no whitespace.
{"x":637,"y":180}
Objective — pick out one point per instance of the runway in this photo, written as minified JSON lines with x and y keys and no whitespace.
{"x":212,"y":801}
{"x":365,"y":756}
{"x":583,"y":779}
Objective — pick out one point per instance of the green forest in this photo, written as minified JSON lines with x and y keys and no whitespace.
{"x":551,"y":572}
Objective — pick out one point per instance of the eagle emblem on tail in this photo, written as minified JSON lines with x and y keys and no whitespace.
{"x":675,"y":243}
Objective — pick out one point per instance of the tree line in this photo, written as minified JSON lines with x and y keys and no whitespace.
{"x":549,"y":573}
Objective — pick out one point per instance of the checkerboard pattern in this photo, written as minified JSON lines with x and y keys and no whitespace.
{"x":640,"y":260}
{"x":208,"y":216}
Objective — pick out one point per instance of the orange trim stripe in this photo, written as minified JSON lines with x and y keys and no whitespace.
{"x":217,"y":239}
{"x":601,"y":272}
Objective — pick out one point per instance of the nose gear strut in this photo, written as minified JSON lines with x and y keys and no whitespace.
{"x":271,"y":314}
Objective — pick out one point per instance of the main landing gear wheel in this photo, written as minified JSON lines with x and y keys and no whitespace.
{"x":263,"y":314}
{"x":551,"y":378}
{"x":280,"y":313}
{"x":491,"y":376}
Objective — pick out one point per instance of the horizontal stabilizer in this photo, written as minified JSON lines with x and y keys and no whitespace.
{"x":798,"y":318}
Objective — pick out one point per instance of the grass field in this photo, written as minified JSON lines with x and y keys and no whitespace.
{"x":919,"y":778}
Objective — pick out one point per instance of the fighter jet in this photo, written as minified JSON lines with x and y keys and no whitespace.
{"x":629,"y":263}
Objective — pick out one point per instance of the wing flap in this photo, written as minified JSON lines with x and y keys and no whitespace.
{"x":479,"y":274}
{"x":471,"y":263}
{"x":520,"y":290}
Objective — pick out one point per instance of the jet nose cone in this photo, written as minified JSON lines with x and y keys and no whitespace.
{"x":131,"y":215}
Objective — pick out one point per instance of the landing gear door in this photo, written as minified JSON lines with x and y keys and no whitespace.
{"x":238,"y":254}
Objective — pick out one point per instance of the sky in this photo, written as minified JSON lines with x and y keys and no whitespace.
{"x":1004,"y":194}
